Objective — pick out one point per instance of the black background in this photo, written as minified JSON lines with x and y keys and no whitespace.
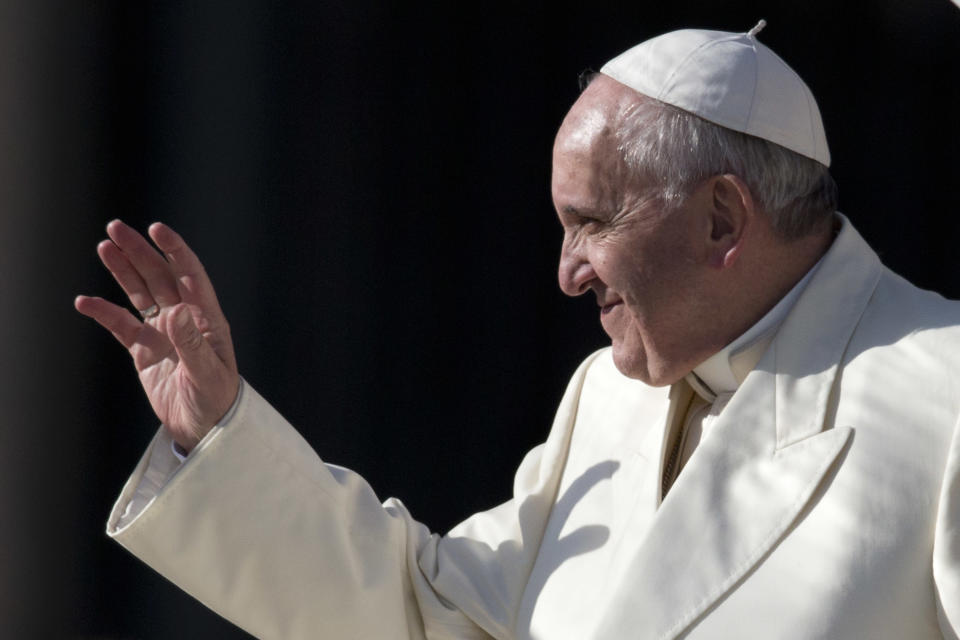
{"x":368,"y":185}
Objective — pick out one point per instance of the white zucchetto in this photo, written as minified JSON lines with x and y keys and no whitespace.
{"x":730,"y":79}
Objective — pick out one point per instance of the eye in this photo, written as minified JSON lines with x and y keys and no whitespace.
{"x":587,"y":221}
{"x":593,"y":225}
{"x":583,"y":221}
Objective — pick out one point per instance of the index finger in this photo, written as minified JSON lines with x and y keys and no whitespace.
{"x":192,"y":281}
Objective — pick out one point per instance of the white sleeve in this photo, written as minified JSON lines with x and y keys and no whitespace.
{"x":259,"y":529}
{"x":161,"y":465}
{"x":946,"y":546}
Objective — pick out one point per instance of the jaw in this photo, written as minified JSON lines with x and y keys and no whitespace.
{"x":632,"y":360}
{"x":650,"y":363}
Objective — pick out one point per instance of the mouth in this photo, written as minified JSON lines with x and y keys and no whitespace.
{"x":607,"y":308}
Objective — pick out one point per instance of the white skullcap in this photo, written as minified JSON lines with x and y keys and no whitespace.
{"x":730,"y":79}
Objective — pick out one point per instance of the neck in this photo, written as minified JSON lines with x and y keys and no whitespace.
{"x":754,"y":288}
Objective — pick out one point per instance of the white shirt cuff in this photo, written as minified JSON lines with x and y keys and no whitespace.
{"x":181,"y":454}
{"x":164,"y":464}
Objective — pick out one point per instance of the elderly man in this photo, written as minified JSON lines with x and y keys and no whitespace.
{"x":768,"y":449}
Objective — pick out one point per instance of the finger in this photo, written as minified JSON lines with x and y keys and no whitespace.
{"x":196,"y":289}
{"x":115,"y":319}
{"x":192,"y":281}
{"x":126,"y":276}
{"x":145,"y":344}
{"x":150,"y":265}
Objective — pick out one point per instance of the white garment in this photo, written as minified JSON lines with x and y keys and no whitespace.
{"x":716,"y":379}
{"x":825,"y":503}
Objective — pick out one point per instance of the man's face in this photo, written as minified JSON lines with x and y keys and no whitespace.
{"x":641,"y":263}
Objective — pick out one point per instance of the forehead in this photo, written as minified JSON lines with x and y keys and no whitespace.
{"x":593,"y":118}
{"x":586,"y":129}
{"x":588,"y":169}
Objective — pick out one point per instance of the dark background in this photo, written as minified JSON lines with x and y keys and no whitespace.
{"x":368,"y":185}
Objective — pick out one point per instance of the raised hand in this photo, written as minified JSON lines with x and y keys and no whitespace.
{"x":181,"y":346}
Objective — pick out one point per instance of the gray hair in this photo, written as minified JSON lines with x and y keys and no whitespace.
{"x":677,"y":150}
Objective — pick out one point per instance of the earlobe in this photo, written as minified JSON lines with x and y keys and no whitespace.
{"x":724,"y":253}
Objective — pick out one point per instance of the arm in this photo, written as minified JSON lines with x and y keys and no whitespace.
{"x":233,"y":525}
{"x":238,"y":526}
{"x":257,"y":527}
{"x":946,"y":546}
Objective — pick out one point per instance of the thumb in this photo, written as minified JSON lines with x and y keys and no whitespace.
{"x":194,"y":351}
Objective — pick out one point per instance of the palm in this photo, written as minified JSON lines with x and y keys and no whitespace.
{"x":183,"y":354}
{"x":164,"y":380}
{"x":174,"y":399}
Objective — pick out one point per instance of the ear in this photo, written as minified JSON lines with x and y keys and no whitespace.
{"x":732,"y":211}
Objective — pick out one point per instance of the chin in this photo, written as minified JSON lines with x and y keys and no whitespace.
{"x":634,"y":363}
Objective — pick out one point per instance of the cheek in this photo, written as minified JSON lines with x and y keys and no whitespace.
{"x":618,"y":266}
{"x":637,"y":284}
{"x":653,"y":296}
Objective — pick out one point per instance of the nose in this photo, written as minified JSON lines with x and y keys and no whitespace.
{"x":575,"y":272}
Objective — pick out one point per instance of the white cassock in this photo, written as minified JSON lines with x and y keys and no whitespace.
{"x":823,"y":502}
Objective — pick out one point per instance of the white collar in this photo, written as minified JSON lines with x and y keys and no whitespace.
{"x":723,"y":372}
